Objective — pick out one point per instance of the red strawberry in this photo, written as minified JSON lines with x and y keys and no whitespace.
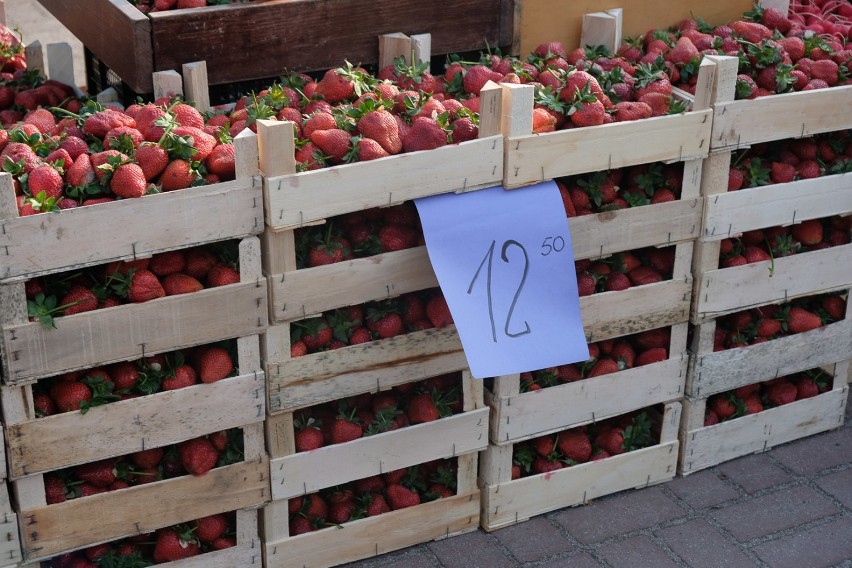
{"x":753,"y":404}
{"x":424,"y":134}
{"x":781,"y":172}
{"x":144,"y":286}
{"x":604,"y":366}
{"x":179,"y":283}
{"x":422,"y":408}
{"x":800,"y":320}
{"x":45,"y":179}
{"x":152,"y":158}
{"x":334,"y":142}
{"x":172,"y":545}
{"x":222,"y":275}
{"x":201,"y":141}
{"x":146,"y":459}
{"x":617,"y":281}
{"x":400,"y":497}
{"x":574,"y":445}
{"x":368,"y":149}
{"x":308,"y":436}
{"x":722,"y":407}
{"x":755,"y":254}
{"x":397,"y":237}
{"x":222,"y":161}
{"x":198,"y":262}
{"x":210,"y":528}
{"x":780,"y":393}
{"x":182,"y":376}
{"x":214,"y":364}
{"x":100,"y":473}
{"x":128,"y":181}
{"x":808,"y":232}
{"x":643,"y":275}
{"x":477,"y":76}
{"x":79,"y":299}
{"x":177,"y":175}
{"x":806,"y":387}
{"x":381,"y":126}
{"x":386,"y":325}
{"x":377,"y":505}
{"x":611,"y":441}
{"x":198,"y":456}
{"x":70,"y":396}
{"x":438,"y":312}
{"x":653,"y":355}
{"x":81,"y":172}
{"x":336,"y":86}
{"x":343,"y":429}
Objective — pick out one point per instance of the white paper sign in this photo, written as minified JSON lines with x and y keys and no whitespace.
{"x":506,"y":267}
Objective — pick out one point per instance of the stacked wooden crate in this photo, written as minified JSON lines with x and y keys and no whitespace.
{"x":518,"y":416}
{"x":720,"y":291}
{"x":81,"y":239}
{"x":296,"y":200}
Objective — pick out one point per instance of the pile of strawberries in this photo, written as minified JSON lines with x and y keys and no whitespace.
{"x":831,"y":17}
{"x":784,"y":161}
{"x":373,"y":496}
{"x":358,"y":235}
{"x":82,"y":390}
{"x":620,"y":188}
{"x":352,"y":418}
{"x":605,"y":357}
{"x":163,"y":5}
{"x":582,"y":444}
{"x":761,"y":245}
{"x":170,"y":273}
{"x":380,"y":319}
{"x":208,"y":534}
{"x":195,"y":457}
{"x":754,"y":398}
{"x":757,"y":325}
{"x":625,"y":270}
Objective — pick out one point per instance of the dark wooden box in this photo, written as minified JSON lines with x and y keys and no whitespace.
{"x":261,"y":39}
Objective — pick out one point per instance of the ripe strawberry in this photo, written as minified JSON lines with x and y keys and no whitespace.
{"x":308,"y":436}
{"x":809,"y":169}
{"x":175,"y":544}
{"x":376,"y":504}
{"x":438,"y":312}
{"x":214,"y":364}
{"x":69,"y":396}
{"x":128,"y":181}
{"x":808,"y":232}
{"x":198,"y":456}
{"x":781,"y":172}
{"x":834,"y":307}
{"x":144,"y":286}
{"x":800,"y":320}
{"x":152,"y":158}
{"x":334,"y":142}
{"x":768,"y":327}
{"x":182,"y":376}
{"x":177,"y":175}
{"x":422,"y":408}
{"x":339,"y":513}
{"x":604,"y":366}
{"x":722,"y":407}
{"x":100,"y":473}
{"x":336,"y":86}
{"x":477,"y":76}
{"x":345,"y":428}
{"x":200,"y":140}
{"x":397,"y":237}
{"x":611,"y":440}
{"x":222,"y":161}
{"x":381,"y":126}
{"x":77,"y":300}
{"x":755,"y":254}
{"x":385,"y":325}
{"x":368,"y":149}
{"x":617,"y":281}
{"x":750,"y":31}
{"x":782,"y":392}
{"x":753,"y":404}
{"x":197,"y":262}
{"x":586,"y":284}
{"x":300,"y":525}
{"x":146,"y":459}
{"x":208,"y":529}
{"x":45,"y":179}
{"x":222,"y":275}
{"x":424,"y":134}
{"x":806,"y":387}
{"x":55,"y":489}
{"x":400,"y":497}
{"x":574,"y":445}
{"x":653,"y":355}
{"x":642,"y":275}
{"x":179,"y":283}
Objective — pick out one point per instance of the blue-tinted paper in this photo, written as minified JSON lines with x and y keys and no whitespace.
{"x":506,"y":267}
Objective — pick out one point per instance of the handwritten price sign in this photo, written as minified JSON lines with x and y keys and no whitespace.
{"x":506,"y":267}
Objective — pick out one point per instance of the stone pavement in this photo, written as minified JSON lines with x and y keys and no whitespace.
{"x":790,"y":507}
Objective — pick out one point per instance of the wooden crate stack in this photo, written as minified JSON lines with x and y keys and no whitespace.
{"x":720,"y":291}
{"x":518,"y":416}
{"x":79,"y":238}
{"x":294,"y":200}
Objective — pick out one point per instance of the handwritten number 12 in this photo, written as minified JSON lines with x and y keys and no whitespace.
{"x":489,"y":259}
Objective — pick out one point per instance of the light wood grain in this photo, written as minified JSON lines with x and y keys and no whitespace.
{"x":195,"y":84}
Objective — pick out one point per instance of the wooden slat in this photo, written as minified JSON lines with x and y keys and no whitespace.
{"x":508,"y":503}
{"x":635,"y":227}
{"x":10,"y":544}
{"x":123,"y":427}
{"x":538,"y":157}
{"x":791,"y":115}
{"x":131,"y":58}
{"x":732,"y":368}
{"x":308,"y":472}
{"x":613,"y":314}
{"x":372,"y":536}
{"x":297,"y":199}
{"x":130,"y":331}
{"x":330,"y":375}
{"x":536,"y":413}
{"x":294,"y":295}
{"x":733,"y":213}
{"x":77,"y":238}
{"x":731,"y":289}
{"x":706,"y":447}
{"x":53,"y":529}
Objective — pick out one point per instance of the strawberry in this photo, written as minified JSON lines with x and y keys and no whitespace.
{"x":197,"y":262}
{"x":800,"y":320}
{"x":128,"y":181}
{"x":43,"y":405}
{"x":144,"y":286}
{"x":438,"y":312}
{"x":381,"y":126}
{"x":208,"y":529}
{"x":70,"y":396}
{"x":422,"y":408}
{"x":753,"y":404}
{"x":780,"y":393}
{"x":653,"y":355}
{"x":710,"y":418}
{"x":642,"y":275}
{"x":809,"y":169}
{"x":385,"y":324}
{"x":477,"y":76}
{"x":808,"y":232}
{"x":100,"y":123}
{"x":345,"y":427}
{"x":182,"y":376}
{"x":586,"y":284}
{"x":315,"y":333}
{"x":376,"y":504}
{"x":632,"y":110}
{"x":100,"y":473}
{"x":750,"y":31}
{"x":198,"y":456}
{"x":146,"y":459}
{"x":336,"y":86}
{"x":339,"y":513}
{"x":755,"y":254}
{"x":368,"y":149}
{"x":308,"y":436}
{"x":334,"y":142}
{"x":214,"y":364}
{"x":80,"y":173}
{"x":152,"y":158}
{"x":222,"y":161}
{"x":574,"y":445}
{"x":806,"y":387}
{"x":165,"y":263}
{"x":77,"y":300}
{"x":424,"y":134}
{"x":175,"y":543}
{"x":616,"y":281}
{"x":177,"y":175}
{"x":545,"y":465}
{"x":781,"y":172}
{"x":722,"y":407}
{"x":400,"y":497}
{"x":200,"y":140}
{"x":397,"y":237}
{"x":222,"y":275}
{"x":45,"y":179}
{"x":604,"y":366}
{"x":834,"y":307}
{"x":179,"y":283}
{"x":683,"y":51}
{"x":300,"y":525}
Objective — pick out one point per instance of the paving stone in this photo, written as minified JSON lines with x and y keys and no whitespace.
{"x":839,"y":485}
{"x":816,"y":453}
{"x":700,"y":545}
{"x":622,"y":513}
{"x":471,"y":550}
{"x":637,"y":551}
{"x":773,"y":512}
{"x":754,"y":472}
{"x":819,"y":547}
{"x":412,"y":557}
{"x":533,"y":540}
{"x":579,"y":561}
{"x":702,"y":489}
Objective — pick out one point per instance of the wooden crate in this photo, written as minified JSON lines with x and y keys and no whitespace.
{"x":706,"y":446}
{"x":10,"y":544}
{"x":134,"y":45}
{"x":533,"y":158}
{"x":506,"y":502}
{"x":517,"y":416}
{"x":132,"y":330}
{"x":80,"y":237}
{"x":49,"y":530}
{"x":38,"y":445}
{"x":715,"y":372}
{"x":298,"y":473}
{"x":294,"y":383}
{"x":373,"y":536}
